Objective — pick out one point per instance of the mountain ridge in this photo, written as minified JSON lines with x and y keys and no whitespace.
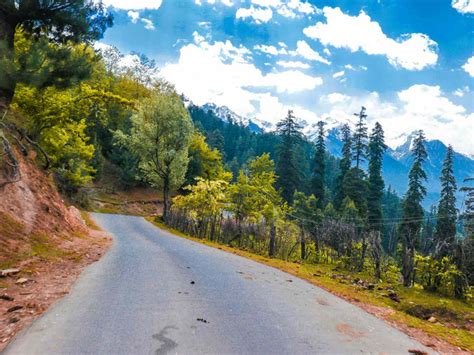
{"x":397,"y":161}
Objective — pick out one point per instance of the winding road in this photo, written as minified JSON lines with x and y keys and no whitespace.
{"x":155,"y":293}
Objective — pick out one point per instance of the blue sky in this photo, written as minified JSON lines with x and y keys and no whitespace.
{"x":410,"y":62}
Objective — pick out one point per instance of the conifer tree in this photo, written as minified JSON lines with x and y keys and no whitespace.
{"x":344,"y":165}
{"x":46,"y":22}
{"x":413,"y":213}
{"x":319,"y":167}
{"x":287,"y":166}
{"x":359,"y":139}
{"x":447,"y":211}
{"x":377,"y":149}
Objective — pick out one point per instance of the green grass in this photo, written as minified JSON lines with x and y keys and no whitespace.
{"x":454,"y":317}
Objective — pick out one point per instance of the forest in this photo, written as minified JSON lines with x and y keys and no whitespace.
{"x":275,"y":194}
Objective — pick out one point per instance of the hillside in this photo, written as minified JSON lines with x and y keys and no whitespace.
{"x":44,"y":243}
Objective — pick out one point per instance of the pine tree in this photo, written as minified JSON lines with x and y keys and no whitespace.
{"x":289,"y":176}
{"x":359,"y":139}
{"x":344,"y":165}
{"x":377,"y":149}
{"x":412,"y":210}
{"x":447,"y":212}
{"x":319,"y":167}
{"x":48,"y":22}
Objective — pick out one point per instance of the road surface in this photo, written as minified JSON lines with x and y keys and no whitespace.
{"x":155,"y":293}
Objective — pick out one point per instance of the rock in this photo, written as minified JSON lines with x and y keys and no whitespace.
{"x":202,"y":320}
{"x":13,"y":320}
{"x":5,"y":297}
{"x":9,"y":272}
{"x":14,"y":308}
{"x":22,"y":280}
{"x":432,"y":319}
{"x":370,"y":287}
{"x":417,"y":352}
{"x":192,"y":282}
{"x":393,"y":296}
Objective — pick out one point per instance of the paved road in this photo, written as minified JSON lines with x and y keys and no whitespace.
{"x":154,"y":293}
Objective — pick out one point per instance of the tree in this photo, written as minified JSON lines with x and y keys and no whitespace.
{"x":445,"y":231}
{"x":289,"y":177}
{"x":55,"y":22}
{"x":319,"y":167}
{"x":344,"y":165}
{"x":359,"y":139}
{"x":355,"y":187}
{"x":413,"y":213}
{"x":160,"y":136}
{"x":307,"y":214}
{"x":377,"y":149}
{"x":204,"y":162}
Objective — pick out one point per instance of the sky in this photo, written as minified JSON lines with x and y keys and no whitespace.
{"x":409,"y":62}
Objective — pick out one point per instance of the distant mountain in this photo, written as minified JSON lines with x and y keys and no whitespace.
{"x":396,"y":163}
{"x":226,"y":114}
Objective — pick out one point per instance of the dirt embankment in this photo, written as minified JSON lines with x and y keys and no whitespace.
{"x":44,"y":245}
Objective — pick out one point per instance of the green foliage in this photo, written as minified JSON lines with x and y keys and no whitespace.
{"x":359,"y":139}
{"x":447,"y":212}
{"x":253,"y":196}
{"x":289,"y":174}
{"x":344,"y":165}
{"x":305,"y":211}
{"x":412,"y":210}
{"x":206,"y":198}
{"x":204,"y":162}
{"x":51,"y":26}
{"x":376,"y":149}
{"x":319,"y":168}
{"x":160,"y":136}
{"x":355,"y":187}
{"x":437,"y":274}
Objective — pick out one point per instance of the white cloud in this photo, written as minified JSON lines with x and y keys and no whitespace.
{"x":461,"y":91}
{"x":134,"y":16}
{"x":349,"y":67}
{"x":338,"y":74}
{"x":463,"y":6}
{"x":293,"y":64}
{"x":304,"y":50}
{"x":258,"y":14}
{"x":226,"y":76}
{"x":213,"y":2}
{"x":417,"y":107}
{"x":133,"y":5}
{"x":327,"y":51}
{"x":271,"y":50}
{"x":335,"y":97}
{"x":282,"y":44}
{"x":148,"y":24}
{"x":413,"y":51}
{"x":469,"y":66}
{"x":264,"y":9}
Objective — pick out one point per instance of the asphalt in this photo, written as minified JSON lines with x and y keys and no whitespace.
{"x":155,"y":293}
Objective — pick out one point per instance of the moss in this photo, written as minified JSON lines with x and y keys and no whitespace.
{"x":9,"y":227}
{"x":89,"y":222}
{"x":42,"y":247}
{"x":454,"y":316}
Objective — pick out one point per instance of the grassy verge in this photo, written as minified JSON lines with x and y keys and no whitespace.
{"x":448,"y":319}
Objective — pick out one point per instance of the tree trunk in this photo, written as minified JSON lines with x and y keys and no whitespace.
{"x":166,"y":199}
{"x":363,"y":252}
{"x":408,"y":260}
{"x":271,"y":248}
{"x":303,"y":244}
{"x":7,"y":53}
